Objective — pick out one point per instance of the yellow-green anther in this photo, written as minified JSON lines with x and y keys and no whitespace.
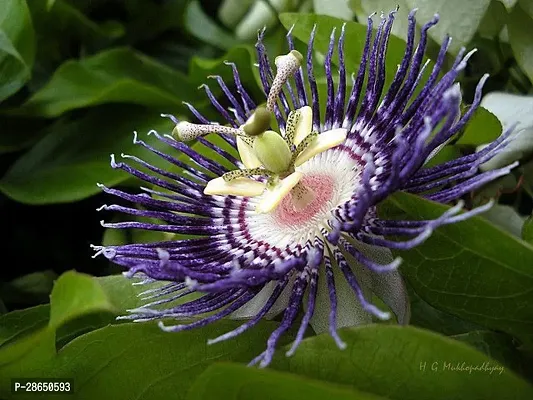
{"x":258,"y":122}
{"x":286,"y":66}
{"x":273,"y":152}
{"x":240,"y":173}
{"x":185,"y":131}
{"x":290,"y":128}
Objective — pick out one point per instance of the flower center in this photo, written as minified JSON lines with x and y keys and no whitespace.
{"x":275,"y":156}
{"x":328,"y":180}
{"x":305,"y":200}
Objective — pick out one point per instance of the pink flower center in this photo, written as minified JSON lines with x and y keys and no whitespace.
{"x":305,"y":200}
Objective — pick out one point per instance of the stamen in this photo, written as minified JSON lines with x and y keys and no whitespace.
{"x":286,"y":66}
{"x":299,"y":125}
{"x":239,"y":173}
{"x":247,"y":154}
{"x":185,"y":131}
{"x":323,"y":142}
{"x":236,"y":187}
{"x":304,"y":125}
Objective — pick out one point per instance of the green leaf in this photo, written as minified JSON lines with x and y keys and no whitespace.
{"x":496,"y":345}
{"x":77,"y":152}
{"x":200,"y":25}
{"x":79,"y":303}
{"x":143,"y":362}
{"x":19,"y":133}
{"x":17,"y":47}
{"x":29,"y":289}
{"x":54,"y":47}
{"x":506,"y":217}
{"x":232,"y":381}
{"x":520,"y":38}
{"x":402,"y":362}
{"x":458,"y":18}
{"x":513,"y":111}
{"x":76,"y":294}
{"x":494,"y":20}
{"x":483,"y":128}
{"x":526,"y":5}
{"x":527,"y":230}
{"x":447,"y":153}
{"x":470,"y":269}
{"x":120,"y":294}
{"x":333,"y":8}
{"x":19,"y":323}
{"x":423,"y":315}
{"x":119,"y":75}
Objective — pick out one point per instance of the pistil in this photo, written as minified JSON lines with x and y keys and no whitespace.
{"x":301,"y":196}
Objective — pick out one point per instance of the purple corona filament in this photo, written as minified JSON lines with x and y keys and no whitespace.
{"x":321,"y":258}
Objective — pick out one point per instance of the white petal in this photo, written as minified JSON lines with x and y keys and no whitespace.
{"x":274,"y":196}
{"x":510,"y":109}
{"x":349,"y":310}
{"x":236,"y":187}
{"x":388,"y":286}
{"x":326,"y":140}
{"x":248,"y":157}
{"x":304,"y":126}
{"x":250,"y":309}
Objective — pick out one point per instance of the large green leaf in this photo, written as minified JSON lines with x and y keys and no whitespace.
{"x":143,"y":362}
{"x":494,"y":20}
{"x":200,"y":25}
{"x":17,"y":47}
{"x":520,"y":38}
{"x":496,"y":345}
{"x":118,"y":75}
{"x":483,"y":128}
{"x":470,"y":269}
{"x":19,"y":132}
{"x":19,"y":323}
{"x":404,"y":363}
{"x":73,"y":156}
{"x":30,"y":289}
{"x":231,"y":381}
{"x":53,"y":46}
{"x":79,"y":303}
{"x":75,"y":294}
{"x":333,"y":8}
{"x":423,"y":315}
{"x":458,"y":18}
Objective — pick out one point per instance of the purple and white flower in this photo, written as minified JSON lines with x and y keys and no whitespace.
{"x":293,"y":228}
